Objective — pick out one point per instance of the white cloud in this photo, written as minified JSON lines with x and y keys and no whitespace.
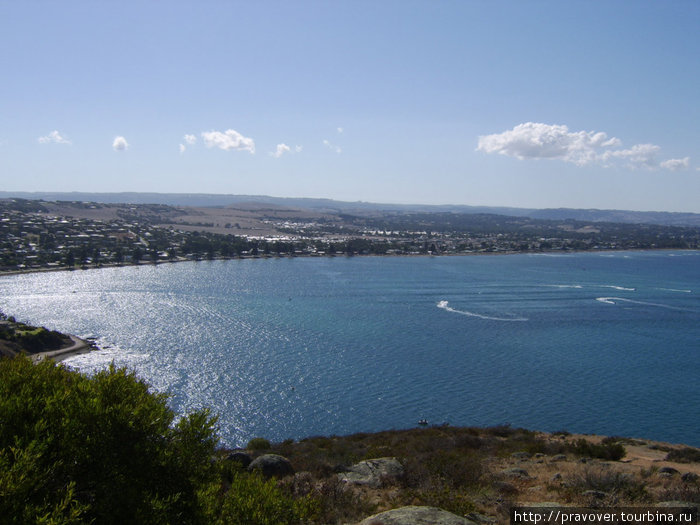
{"x":340,"y":130}
{"x":120,"y":144}
{"x":333,"y":147}
{"x":228,"y":140}
{"x":639,"y":155}
{"x":297,"y":149}
{"x":676,"y":164}
{"x":280,"y":150}
{"x":190,"y":139}
{"x":54,"y":137}
{"x":533,"y":140}
{"x":182,"y":148}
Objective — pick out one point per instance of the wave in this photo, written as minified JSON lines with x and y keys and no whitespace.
{"x":563,"y":286}
{"x":622,"y":288}
{"x":675,"y":290}
{"x":444,"y":306}
{"x":615,"y":300}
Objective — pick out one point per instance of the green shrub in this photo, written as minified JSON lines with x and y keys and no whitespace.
{"x":259,"y":444}
{"x":99,"y":449}
{"x":252,"y":500}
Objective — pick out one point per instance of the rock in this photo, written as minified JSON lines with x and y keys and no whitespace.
{"x":689,"y":477}
{"x":240,"y":457}
{"x":515,"y":473}
{"x":668,"y":470}
{"x":413,"y":515}
{"x":556,"y":477}
{"x":522,"y":456}
{"x":559,"y":457}
{"x":272,"y":465}
{"x":539,"y":455}
{"x":373,"y":472}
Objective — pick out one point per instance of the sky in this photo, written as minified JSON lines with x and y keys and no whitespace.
{"x":537,"y":104}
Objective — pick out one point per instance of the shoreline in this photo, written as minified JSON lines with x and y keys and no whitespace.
{"x":4,"y":273}
{"x":79,"y":346}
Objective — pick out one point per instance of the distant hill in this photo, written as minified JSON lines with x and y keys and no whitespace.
{"x":329,"y":205}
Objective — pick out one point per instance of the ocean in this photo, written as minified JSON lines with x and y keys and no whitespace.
{"x":605,"y":342}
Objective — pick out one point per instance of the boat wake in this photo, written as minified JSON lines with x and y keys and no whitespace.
{"x":615,"y":300}
{"x":445,"y":306}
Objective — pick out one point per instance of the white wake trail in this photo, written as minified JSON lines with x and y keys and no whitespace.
{"x":444,"y":306}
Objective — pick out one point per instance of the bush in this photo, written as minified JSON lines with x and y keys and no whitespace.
{"x":259,"y":444}
{"x":252,"y":500}
{"x":102,"y":449}
{"x":617,"y":484}
{"x":607,"y":451}
{"x":684,"y":455}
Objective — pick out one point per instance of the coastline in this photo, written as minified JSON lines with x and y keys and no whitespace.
{"x":79,"y":346}
{"x":4,"y":273}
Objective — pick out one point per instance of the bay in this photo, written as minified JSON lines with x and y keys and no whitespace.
{"x":603,"y":343}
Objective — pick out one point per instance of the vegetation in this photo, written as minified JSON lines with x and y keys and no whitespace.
{"x":106,"y":449}
{"x":614,"y":485}
{"x":259,"y":444}
{"x":613,"y":451}
{"x":17,"y":337}
{"x":684,"y":455}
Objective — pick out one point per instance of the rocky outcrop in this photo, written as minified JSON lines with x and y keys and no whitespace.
{"x":416,"y":516}
{"x":374,"y":472}
{"x":240,"y":457}
{"x":272,"y":465}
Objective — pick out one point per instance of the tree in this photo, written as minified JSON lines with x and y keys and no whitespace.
{"x":102,"y":449}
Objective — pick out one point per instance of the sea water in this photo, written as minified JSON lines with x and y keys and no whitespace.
{"x":603,"y":343}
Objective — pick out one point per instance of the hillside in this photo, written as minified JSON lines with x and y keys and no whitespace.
{"x":363,"y":208}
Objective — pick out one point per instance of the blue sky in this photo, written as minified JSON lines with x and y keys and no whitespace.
{"x":588,"y":104}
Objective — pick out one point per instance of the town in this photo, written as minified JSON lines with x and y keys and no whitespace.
{"x":39,"y":235}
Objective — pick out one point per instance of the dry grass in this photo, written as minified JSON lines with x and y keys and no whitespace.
{"x":462,"y":470}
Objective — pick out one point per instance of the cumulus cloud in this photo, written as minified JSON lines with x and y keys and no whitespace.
{"x":297,"y":149}
{"x":54,"y":137}
{"x":120,"y":144}
{"x":340,"y":130}
{"x":190,"y":139}
{"x":333,"y":147}
{"x":182,"y":148}
{"x":676,"y":164}
{"x":228,"y":140}
{"x":534,"y":140}
{"x":280,"y":150}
